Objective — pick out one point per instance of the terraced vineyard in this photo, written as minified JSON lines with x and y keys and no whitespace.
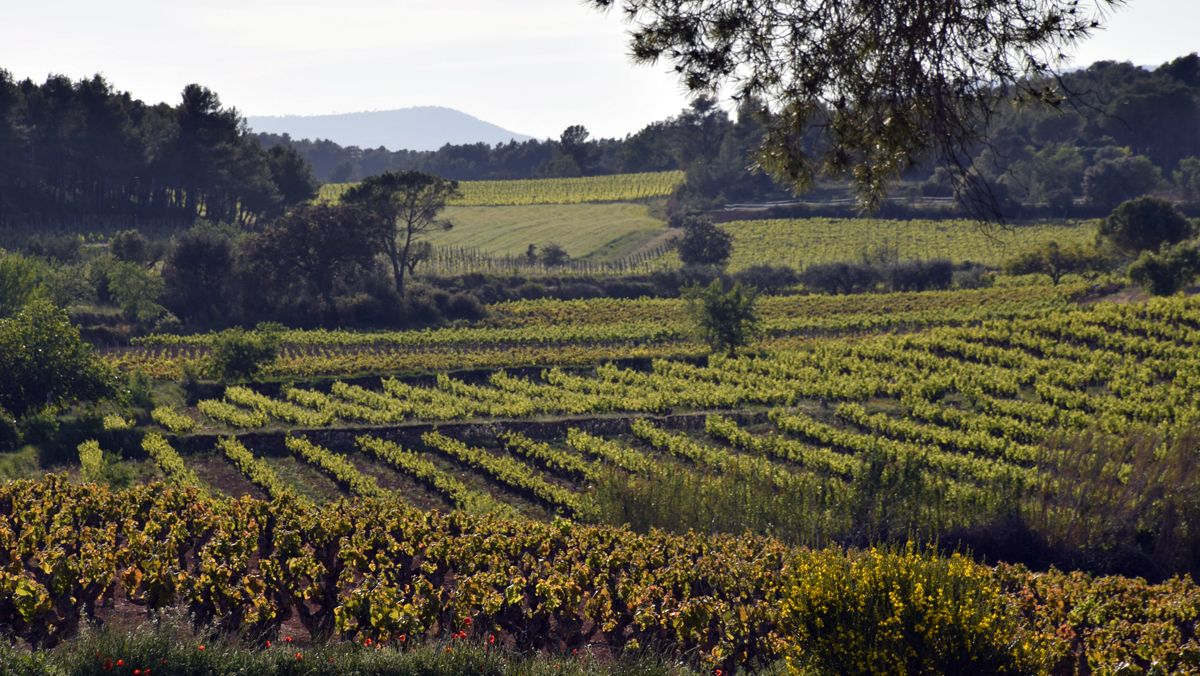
{"x":970,"y":410}
{"x":574,"y":333}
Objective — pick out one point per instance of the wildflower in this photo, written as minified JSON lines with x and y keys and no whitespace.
{"x":287,"y":639}
{"x":403,"y":638}
{"x":367,"y":643}
{"x":137,"y":672}
{"x":200,"y":647}
{"x":491,"y":639}
{"x":449,"y":649}
{"x":120,"y":663}
{"x":107,"y":665}
{"x":299,"y":655}
{"x":467,"y":621}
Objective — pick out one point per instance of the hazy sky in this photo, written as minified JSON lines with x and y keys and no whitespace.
{"x":531,"y":66}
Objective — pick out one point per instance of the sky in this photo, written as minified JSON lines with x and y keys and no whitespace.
{"x":531,"y":66}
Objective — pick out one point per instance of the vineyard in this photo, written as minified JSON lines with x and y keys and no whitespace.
{"x":693,"y":507}
{"x":974,"y":413}
{"x":610,"y":188}
{"x":587,"y":332}
{"x":594,"y":231}
{"x":897,"y":478}
{"x":373,"y":570}
{"x":799,"y":243}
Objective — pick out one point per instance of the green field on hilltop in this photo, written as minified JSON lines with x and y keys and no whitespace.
{"x":607,"y":231}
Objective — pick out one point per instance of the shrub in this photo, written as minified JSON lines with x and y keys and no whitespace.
{"x":45,"y":362}
{"x":21,"y":280}
{"x":703,"y":243}
{"x":903,"y":612}
{"x":10,"y":431}
{"x":238,"y":354}
{"x":464,"y":306}
{"x":768,"y":278}
{"x":1145,"y":223}
{"x":973,"y":277}
{"x":1167,"y":271}
{"x":840,"y":277}
{"x":553,"y":255}
{"x":922,"y":275}
{"x":62,"y":248}
{"x":131,"y":246}
{"x":1055,"y":261}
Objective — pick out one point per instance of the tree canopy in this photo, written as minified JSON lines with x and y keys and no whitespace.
{"x":410,"y":202}
{"x":83,"y":153}
{"x":889,"y":82}
{"x":1145,"y":223}
{"x":725,"y":318}
{"x":44,"y":362}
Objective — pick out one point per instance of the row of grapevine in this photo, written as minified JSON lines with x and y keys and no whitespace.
{"x":722,"y":602}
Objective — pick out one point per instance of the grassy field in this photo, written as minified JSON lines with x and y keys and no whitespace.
{"x":600,"y":231}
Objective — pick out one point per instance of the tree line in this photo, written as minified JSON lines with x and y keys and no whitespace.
{"x":1119,"y":131}
{"x":80,"y":153}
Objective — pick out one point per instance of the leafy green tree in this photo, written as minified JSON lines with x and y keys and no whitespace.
{"x":20,"y":281}
{"x":292,"y":174}
{"x":891,"y":82}
{"x":1111,"y":181}
{"x":131,"y":246}
{"x":703,"y":243}
{"x":316,"y":245}
{"x":1167,"y":271}
{"x":409,"y":202}
{"x":1187,"y":178}
{"x":240,"y":355}
{"x":44,"y":364}
{"x":136,"y":290}
{"x":553,"y":255}
{"x":196,"y":275}
{"x":1055,"y":261}
{"x":725,"y":318}
{"x":1145,"y":223}
{"x":574,"y":142}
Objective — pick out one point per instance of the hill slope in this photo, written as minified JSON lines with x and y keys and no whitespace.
{"x":423,"y":128}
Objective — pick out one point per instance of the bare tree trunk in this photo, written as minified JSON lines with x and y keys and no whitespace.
{"x":408,"y":237}
{"x":389,"y":246}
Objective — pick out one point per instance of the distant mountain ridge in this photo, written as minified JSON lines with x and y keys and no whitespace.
{"x":420,"y":128}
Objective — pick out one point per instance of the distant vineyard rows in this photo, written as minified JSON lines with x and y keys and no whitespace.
{"x":611,"y":188}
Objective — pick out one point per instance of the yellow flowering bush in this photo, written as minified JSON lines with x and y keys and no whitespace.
{"x":902,"y":612}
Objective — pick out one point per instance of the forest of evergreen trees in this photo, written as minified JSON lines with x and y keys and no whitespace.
{"x":83,"y":154}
